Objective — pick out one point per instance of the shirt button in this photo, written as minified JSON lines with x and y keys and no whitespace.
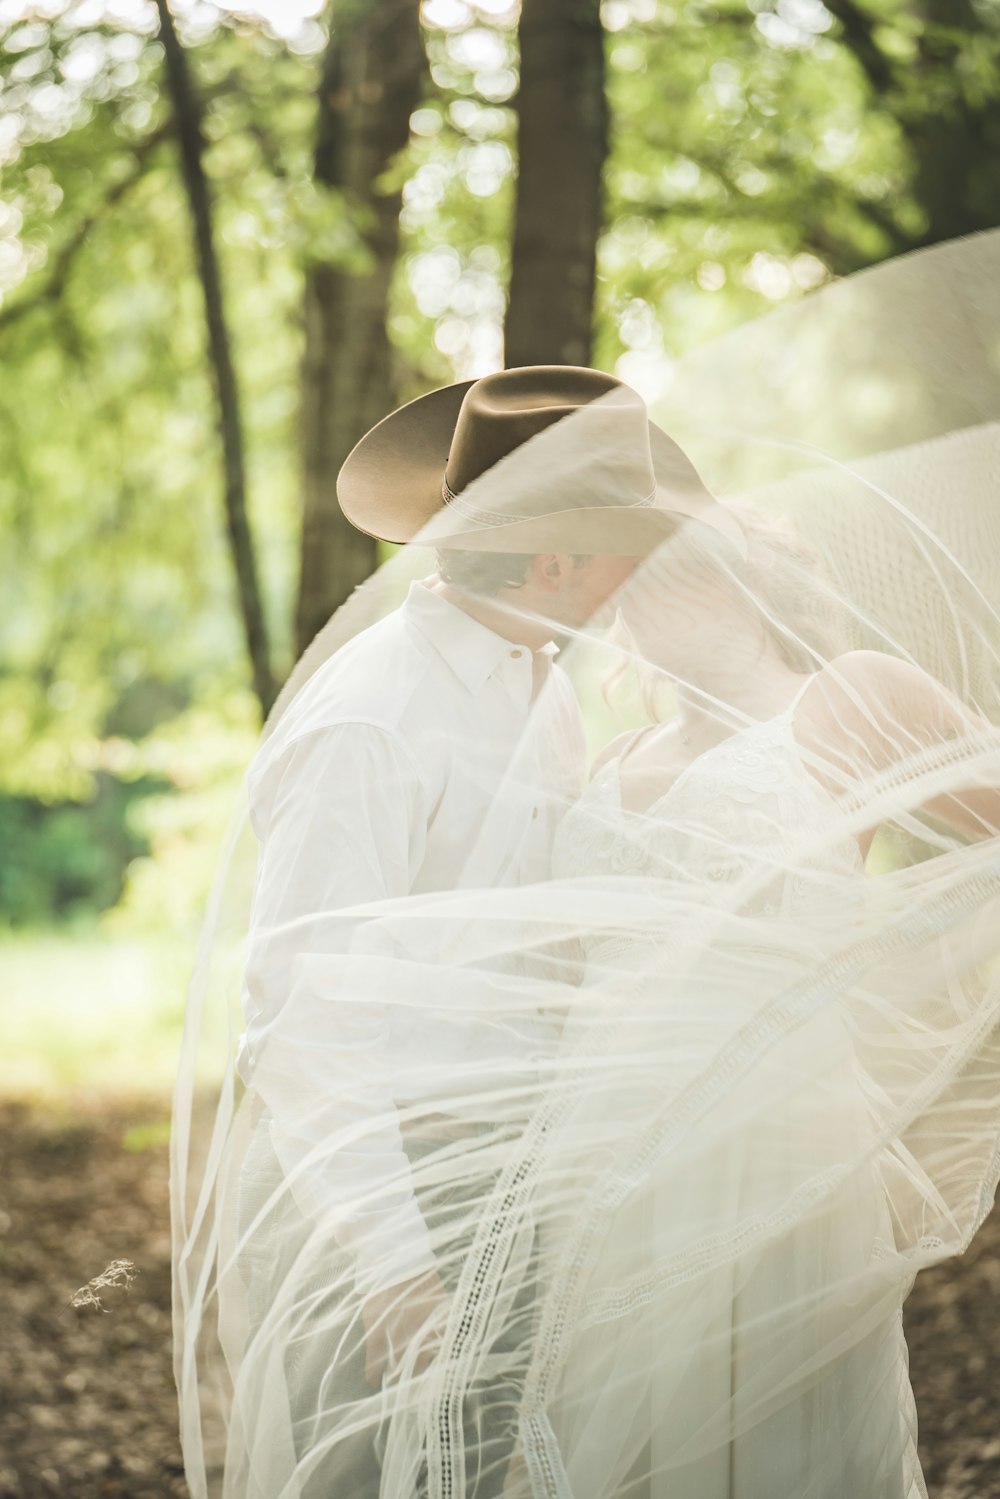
{"x":534,"y":811}
{"x":516,"y":655}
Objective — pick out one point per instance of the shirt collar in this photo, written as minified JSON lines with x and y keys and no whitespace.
{"x":472,"y":650}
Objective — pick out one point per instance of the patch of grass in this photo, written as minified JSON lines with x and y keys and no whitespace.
{"x":147,"y":1136}
{"x":89,"y":1014}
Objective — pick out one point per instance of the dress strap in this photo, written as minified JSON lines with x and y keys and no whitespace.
{"x":633,"y":740}
{"x":799,"y":695}
{"x":625,"y":748}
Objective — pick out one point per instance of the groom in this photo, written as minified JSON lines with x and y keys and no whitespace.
{"x":379,"y":778}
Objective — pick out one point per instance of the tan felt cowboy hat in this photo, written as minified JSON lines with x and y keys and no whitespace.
{"x":537,"y":459}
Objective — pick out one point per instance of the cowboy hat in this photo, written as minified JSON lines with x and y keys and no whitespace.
{"x":533,"y":459}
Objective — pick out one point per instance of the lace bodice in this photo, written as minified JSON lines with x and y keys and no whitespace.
{"x":746,"y":812}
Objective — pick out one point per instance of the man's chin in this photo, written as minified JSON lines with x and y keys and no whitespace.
{"x":605,"y":617}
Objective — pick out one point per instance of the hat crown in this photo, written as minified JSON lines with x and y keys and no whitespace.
{"x":502,"y":412}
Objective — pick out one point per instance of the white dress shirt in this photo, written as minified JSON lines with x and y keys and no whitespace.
{"x":383,"y":779}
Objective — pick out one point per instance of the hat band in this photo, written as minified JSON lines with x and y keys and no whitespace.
{"x":494,"y":518}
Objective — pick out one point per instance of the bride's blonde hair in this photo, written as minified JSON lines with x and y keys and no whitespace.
{"x":779,"y":584}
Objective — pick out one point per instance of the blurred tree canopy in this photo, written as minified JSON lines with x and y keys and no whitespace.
{"x":371,"y":238}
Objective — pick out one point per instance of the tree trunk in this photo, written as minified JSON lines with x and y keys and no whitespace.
{"x":562,"y":119}
{"x":372,"y":79}
{"x":188,"y":116}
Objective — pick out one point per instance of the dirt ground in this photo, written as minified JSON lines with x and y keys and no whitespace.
{"x":87,"y":1405}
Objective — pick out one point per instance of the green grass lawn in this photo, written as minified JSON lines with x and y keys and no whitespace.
{"x":82,"y":1014}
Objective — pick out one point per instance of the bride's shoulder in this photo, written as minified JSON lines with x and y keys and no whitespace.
{"x":873,"y":677}
{"x":864,"y":676}
{"x":882,"y":696}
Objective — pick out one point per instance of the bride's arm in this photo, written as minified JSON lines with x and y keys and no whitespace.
{"x":891,"y":709}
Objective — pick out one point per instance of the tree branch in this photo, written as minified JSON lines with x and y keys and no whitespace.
{"x":191,"y":141}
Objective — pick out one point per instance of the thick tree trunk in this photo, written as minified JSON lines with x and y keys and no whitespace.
{"x":188,"y":116}
{"x":372,"y":79}
{"x":562,"y":145}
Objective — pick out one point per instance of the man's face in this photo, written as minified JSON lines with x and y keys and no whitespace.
{"x":590,"y":590}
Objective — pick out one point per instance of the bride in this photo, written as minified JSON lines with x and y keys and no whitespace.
{"x":671,"y":1235}
{"x":774,"y":1364}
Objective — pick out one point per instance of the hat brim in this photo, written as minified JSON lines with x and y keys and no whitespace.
{"x":390,"y":483}
{"x":390,"y":487}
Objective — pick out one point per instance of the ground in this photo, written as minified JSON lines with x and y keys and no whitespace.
{"x":87,"y":1406}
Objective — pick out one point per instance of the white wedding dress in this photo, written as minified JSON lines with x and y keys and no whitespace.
{"x":778,"y":1371}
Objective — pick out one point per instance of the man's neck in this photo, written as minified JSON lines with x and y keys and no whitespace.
{"x":509,"y":623}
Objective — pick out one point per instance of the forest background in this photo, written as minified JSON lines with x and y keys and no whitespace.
{"x":232,"y":237}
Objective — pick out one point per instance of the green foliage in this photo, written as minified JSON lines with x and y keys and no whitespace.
{"x":201,"y":755}
{"x":748,"y":167}
{"x":115,"y":562}
{"x":142,"y":1137}
{"x":68,"y":859}
{"x":458,"y":199}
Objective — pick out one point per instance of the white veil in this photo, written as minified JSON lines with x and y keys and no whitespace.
{"x":761,"y":1091}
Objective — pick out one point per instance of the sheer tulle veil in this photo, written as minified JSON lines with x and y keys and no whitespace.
{"x":677,"y":1236}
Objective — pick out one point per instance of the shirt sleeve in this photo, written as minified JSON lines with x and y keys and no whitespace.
{"x":341,"y":816}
